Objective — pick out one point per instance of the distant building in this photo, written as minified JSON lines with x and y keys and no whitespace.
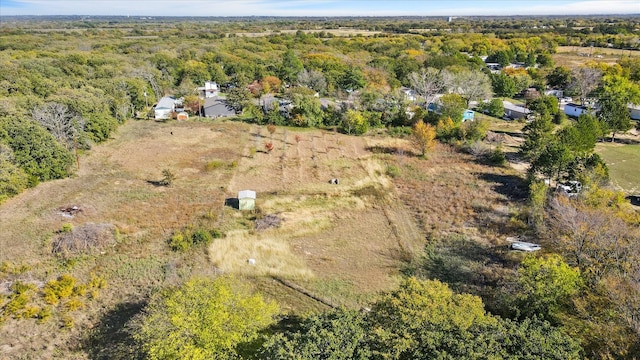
{"x":513,"y":111}
{"x":216,"y":107}
{"x":165,"y":108}
{"x":209,"y":90}
{"x":575,"y":110}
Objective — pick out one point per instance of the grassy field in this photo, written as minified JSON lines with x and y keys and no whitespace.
{"x":623,"y":161}
{"x":337,"y":244}
{"x":341,"y":243}
{"x":574,"y":56}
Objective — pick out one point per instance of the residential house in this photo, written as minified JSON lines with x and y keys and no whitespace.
{"x":575,"y":110}
{"x":513,"y":111}
{"x":165,"y":108}
{"x":209,"y":90}
{"x":215,"y":107}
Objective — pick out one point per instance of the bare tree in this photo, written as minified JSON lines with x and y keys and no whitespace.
{"x":427,"y":83}
{"x":63,"y":124}
{"x":473,"y":85}
{"x":585,"y":80}
{"x":313,"y":80}
{"x":449,"y":81}
{"x":150,"y":76}
{"x":598,"y":242}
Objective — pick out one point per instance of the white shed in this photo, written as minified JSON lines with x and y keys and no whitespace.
{"x":246,"y":200}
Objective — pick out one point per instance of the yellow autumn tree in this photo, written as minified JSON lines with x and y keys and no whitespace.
{"x":423,"y":136}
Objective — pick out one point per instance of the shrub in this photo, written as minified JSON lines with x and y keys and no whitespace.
{"x":97,"y":282}
{"x":185,"y":239}
{"x":67,"y":322}
{"x":66,"y":228}
{"x":44,"y":314}
{"x":497,"y":156}
{"x":167,"y":177}
{"x":393,"y":171}
{"x":214,"y":164}
{"x":201,"y":237}
{"x":178,"y":242}
{"x":17,"y":303}
{"x":58,"y":289}
{"x":74,"y":304}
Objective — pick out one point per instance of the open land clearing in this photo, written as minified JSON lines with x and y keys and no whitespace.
{"x":575,"y":56}
{"x":337,"y":244}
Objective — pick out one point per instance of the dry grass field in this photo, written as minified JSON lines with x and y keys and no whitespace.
{"x":337,"y":244}
{"x":574,"y":56}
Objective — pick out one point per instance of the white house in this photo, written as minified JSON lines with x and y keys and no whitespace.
{"x":575,"y":110}
{"x":209,"y":90}
{"x":165,"y":107}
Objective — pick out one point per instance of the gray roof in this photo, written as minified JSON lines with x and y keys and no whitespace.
{"x":513,"y":107}
{"x":217,"y":106}
{"x":166,"y":102}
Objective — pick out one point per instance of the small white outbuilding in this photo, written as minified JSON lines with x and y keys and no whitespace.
{"x":246,"y":200}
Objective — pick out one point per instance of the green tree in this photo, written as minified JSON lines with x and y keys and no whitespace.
{"x":352,"y":79}
{"x":353,"y":121}
{"x":307,"y":109}
{"x":545,"y":60}
{"x":503,"y":85}
{"x":615,"y":94}
{"x":426,"y":320}
{"x":544,"y":286}
{"x":453,"y":106}
{"x":421,"y":318}
{"x":338,"y":335}
{"x":559,"y":78}
{"x":202,"y":319}
{"x":290,"y":68}
{"x":546,"y":104}
{"x":238,"y":98}
{"x":537,"y":133}
{"x":36,"y":151}
{"x":13,"y":180}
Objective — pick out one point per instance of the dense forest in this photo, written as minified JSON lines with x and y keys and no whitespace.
{"x":68,"y":84}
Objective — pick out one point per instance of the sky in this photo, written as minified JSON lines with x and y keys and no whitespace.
{"x":316,"y":7}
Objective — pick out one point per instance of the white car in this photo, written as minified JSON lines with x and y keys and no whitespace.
{"x":525,"y":246}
